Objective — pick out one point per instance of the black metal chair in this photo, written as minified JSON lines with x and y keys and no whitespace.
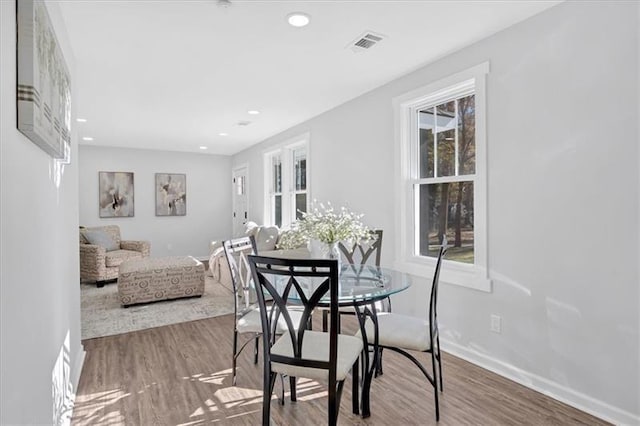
{"x":359,"y":254}
{"x":303,"y":352}
{"x":247,"y":316}
{"x":401,"y":333}
{"x":356,"y":256}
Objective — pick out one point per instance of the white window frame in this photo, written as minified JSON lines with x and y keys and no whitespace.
{"x":406,"y":109}
{"x":286,"y":151}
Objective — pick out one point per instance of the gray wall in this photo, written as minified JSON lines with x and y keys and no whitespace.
{"x":562,"y":201}
{"x":41,"y":354}
{"x":208,"y":197}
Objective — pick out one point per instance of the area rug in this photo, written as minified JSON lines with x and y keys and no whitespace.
{"x":102,"y":314}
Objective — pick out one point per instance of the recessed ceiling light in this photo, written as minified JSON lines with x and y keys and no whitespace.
{"x":203,"y":147}
{"x":253,"y":112}
{"x":298,"y":19}
{"x":223,"y":134}
{"x":81,"y":120}
{"x":87,"y":138}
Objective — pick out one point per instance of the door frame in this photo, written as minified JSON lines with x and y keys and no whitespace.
{"x":234,"y":169}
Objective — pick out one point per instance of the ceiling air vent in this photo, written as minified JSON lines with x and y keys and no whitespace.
{"x":366,"y":41}
{"x":243,"y":123}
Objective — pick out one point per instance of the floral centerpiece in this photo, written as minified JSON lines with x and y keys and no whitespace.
{"x":327,"y":225}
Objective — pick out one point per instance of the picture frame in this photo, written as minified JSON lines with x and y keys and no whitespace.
{"x":171,"y":194}
{"x":116,"y":194}
{"x":43,"y":92}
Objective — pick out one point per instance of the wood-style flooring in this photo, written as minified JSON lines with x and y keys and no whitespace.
{"x":181,"y":375}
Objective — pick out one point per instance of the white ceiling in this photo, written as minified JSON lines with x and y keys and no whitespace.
{"x":172,"y":75}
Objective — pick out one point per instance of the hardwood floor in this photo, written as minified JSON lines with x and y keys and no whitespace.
{"x":180,"y":375}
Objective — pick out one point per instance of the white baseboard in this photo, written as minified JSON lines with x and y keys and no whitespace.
{"x":75,"y":377}
{"x":547,"y":387}
{"x":77,"y":368}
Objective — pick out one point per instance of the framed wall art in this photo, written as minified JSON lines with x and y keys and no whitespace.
{"x":115,"y":191}
{"x":43,"y":82}
{"x":171,"y":194}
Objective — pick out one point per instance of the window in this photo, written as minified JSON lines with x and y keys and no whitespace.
{"x":287,"y":193}
{"x":442,"y":179}
{"x":300,"y":181}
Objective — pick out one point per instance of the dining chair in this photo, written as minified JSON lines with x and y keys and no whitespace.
{"x":401,"y":333}
{"x":303,"y":352}
{"x":356,"y":255}
{"x":247,"y":315}
{"x":359,"y":254}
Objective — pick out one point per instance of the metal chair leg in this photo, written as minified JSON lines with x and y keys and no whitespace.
{"x":379,"y":371}
{"x":355,"y":387}
{"x":235,"y":350}
{"x":292,"y":385}
{"x":435,"y":384}
{"x":439,"y":356}
{"x":255,"y":350}
{"x":281,"y":389}
{"x":269,"y":380}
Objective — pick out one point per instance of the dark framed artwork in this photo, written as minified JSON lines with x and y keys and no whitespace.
{"x":115,"y":191}
{"x":43,"y":82}
{"x":171,"y":194}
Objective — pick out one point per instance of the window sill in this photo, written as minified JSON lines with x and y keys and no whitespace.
{"x":472,"y":277}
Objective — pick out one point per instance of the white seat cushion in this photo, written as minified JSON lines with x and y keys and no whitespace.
{"x":349,"y":309}
{"x":251,"y":323}
{"x":399,"y":331}
{"x":315,"y":345}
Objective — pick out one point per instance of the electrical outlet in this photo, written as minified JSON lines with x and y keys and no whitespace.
{"x":496,"y":323}
{"x":169,"y":246}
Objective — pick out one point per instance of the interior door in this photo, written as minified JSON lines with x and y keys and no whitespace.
{"x":240,"y":212}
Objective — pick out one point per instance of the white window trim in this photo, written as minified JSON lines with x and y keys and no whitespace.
{"x":474,"y":276}
{"x":285,"y":149}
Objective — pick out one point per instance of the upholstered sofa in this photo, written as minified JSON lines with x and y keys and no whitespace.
{"x":266,"y":243}
{"x":102,"y":250}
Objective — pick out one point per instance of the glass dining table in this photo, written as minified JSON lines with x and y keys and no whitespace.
{"x":360,"y":287}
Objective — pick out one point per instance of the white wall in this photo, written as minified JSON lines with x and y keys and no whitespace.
{"x":39,"y":287}
{"x":208,"y":197}
{"x":562,"y":199}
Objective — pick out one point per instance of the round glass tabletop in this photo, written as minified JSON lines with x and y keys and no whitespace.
{"x":358,"y":284}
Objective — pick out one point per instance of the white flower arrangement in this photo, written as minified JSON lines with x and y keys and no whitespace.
{"x":326,"y":225}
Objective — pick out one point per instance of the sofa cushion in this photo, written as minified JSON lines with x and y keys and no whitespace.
{"x":251,"y":229}
{"x":116,"y":257}
{"x":101,"y":238}
{"x":266,"y":238}
{"x":299,"y":253}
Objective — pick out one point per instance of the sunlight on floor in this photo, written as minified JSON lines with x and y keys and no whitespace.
{"x":217,"y":378}
{"x":305,"y":390}
{"x":89,"y":408}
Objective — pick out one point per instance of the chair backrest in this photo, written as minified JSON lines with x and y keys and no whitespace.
{"x":433,"y":301}
{"x":236,"y":252}
{"x":364,"y":253}
{"x":309,"y":280}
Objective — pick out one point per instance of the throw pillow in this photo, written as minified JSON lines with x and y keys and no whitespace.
{"x":251,"y":229}
{"x":99,"y":237}
{"x":266,"y":238}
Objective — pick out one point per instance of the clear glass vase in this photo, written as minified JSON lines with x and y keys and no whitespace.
{"x":334,"y":253}
{"x":320,"y":250}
